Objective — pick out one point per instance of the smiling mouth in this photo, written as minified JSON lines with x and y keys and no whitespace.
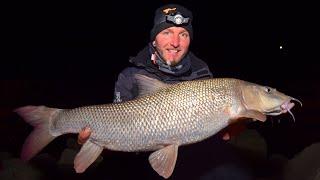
{"x":173,"y":50}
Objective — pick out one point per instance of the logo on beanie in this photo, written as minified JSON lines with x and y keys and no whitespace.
{"x":169,"y":10}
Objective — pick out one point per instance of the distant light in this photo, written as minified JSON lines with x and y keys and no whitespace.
{"x":280,"y":47}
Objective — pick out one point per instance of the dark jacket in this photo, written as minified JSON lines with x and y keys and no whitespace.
{"x":126,"y":86}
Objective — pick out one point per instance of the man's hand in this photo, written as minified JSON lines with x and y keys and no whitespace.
{"x":84,"y":135}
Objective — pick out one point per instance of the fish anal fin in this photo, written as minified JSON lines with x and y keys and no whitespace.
{"x":164,"y":160}
{"x":87,"y":155}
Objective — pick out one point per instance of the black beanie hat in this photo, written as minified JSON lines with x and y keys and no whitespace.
{"x":161,"y":21}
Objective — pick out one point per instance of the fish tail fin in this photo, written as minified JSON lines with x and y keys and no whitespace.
{"x":39,"y":117}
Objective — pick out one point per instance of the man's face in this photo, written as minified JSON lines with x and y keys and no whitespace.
{"x":173,"y":44}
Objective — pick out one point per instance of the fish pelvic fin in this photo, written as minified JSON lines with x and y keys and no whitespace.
{"x":164,"y":160}
{"x":87,"y":155}
{"x":39,"y":117}
{"x":147,"y":85}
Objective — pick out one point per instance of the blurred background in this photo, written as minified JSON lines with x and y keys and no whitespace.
{"x":67,"y":55}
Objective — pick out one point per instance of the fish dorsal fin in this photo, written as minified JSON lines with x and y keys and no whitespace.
{"x":164,"y":160}
{"x":147,"y":85}
{"x":87,"y":155}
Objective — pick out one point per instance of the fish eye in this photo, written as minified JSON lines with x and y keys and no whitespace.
{"x":268,"y":89}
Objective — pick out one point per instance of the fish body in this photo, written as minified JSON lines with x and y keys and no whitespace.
{"x":161,"y":119}
{"x":145,"y":123}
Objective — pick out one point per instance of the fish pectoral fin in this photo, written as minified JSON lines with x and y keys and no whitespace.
{"x":87,"y":155}
{"x":254,"y":115}
{"x":164,"y":160}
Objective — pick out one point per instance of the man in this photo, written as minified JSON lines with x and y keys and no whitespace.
{"x":166,"y":57}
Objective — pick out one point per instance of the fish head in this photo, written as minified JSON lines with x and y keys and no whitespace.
{"x":266,"y":100}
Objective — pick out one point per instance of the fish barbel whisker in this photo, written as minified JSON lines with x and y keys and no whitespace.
{"x":289,"y":105}
{"x":294,"y":119}
{"x":297,"y":100}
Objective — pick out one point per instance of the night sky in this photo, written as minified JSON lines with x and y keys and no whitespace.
{"x":69,"y":55}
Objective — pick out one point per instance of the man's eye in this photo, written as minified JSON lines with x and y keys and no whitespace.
{"x":185,"y":35}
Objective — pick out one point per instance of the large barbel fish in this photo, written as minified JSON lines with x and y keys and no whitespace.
{"x":162,"y":118}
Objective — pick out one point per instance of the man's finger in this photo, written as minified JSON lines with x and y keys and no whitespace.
{"x":84,"y":135}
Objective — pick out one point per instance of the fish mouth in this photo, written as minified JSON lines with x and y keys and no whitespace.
{"x":284,"y":108}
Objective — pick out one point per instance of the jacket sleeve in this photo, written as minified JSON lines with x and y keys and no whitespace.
{"x":125,"y":86}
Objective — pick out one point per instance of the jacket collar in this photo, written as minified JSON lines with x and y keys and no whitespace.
{"x":193,"y":67}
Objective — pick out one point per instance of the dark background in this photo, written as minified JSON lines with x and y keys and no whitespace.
{"x":69,"y":54}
